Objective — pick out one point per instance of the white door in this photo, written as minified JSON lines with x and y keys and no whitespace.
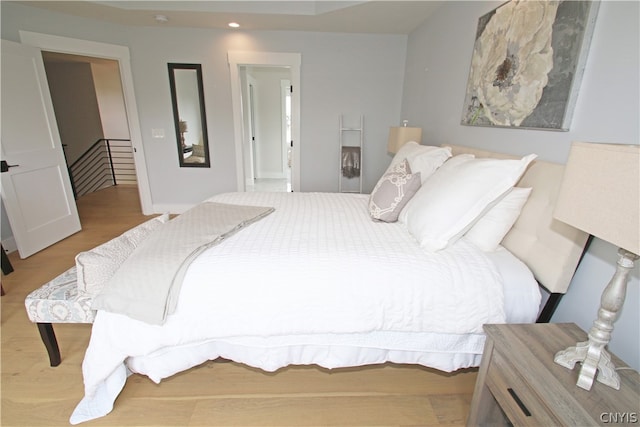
{"x":36,"y":192}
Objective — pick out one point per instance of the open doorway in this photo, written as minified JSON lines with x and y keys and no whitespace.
{"x":284,"y":69}
{"x":120,"y":54}
{"x":266,"y":104}
{"x":92,"y":120}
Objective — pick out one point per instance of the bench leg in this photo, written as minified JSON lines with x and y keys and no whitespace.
{"x":50,"y":342}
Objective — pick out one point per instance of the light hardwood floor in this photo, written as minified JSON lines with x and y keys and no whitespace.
{"x":213,"y":394}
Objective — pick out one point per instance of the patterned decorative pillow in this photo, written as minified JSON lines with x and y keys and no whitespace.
{"x":392,"y":192}
{"x":400,"y":167}
{"x":425,"y":159}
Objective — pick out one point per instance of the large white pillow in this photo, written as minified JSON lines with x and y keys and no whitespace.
{"x":457,"y":194}
{"x":97,"y":266}
{"x":425,"y":159}
{"x":490,"y":229}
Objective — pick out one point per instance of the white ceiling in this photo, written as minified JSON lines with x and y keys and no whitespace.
{"x":382,"y":17}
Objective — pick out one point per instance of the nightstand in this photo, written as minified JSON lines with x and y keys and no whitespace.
{"x":519,"y":383}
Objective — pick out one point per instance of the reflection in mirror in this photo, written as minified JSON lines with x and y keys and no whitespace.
{"x":189,"y":116}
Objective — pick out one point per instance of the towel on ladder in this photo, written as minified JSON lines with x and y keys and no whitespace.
{"x":351,"y":162}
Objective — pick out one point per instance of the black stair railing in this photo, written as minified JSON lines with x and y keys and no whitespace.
{"x":94,"y":169}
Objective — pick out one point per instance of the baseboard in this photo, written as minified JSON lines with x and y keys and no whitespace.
{"x":171,"y":208}
{"x":272,"y":175}
{"x":9,"y":244}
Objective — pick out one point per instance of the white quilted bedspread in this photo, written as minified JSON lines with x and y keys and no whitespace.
{"x":317,"y":265}
{"x":320,"y":264}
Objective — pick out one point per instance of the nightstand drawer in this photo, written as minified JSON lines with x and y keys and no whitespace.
{"x":515,"y":397}
{"x":520,"y":358}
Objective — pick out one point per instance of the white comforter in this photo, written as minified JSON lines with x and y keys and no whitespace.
{"x":317,"y":266}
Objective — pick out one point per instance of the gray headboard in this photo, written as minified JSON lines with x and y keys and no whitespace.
{"x":551,"y":248}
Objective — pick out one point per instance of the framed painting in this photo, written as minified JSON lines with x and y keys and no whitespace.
{"x":527,"y":64}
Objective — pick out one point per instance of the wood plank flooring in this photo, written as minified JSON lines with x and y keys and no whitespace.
{"x":213,"y":394}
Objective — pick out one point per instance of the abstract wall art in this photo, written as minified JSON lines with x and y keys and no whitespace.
{"x":527,"y":64}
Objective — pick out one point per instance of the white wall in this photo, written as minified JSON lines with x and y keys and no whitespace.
{"x":607,"y":110}
{"x":108,"y":87}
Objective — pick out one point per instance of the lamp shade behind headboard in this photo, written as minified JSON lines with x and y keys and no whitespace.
{"x":398,"y":136}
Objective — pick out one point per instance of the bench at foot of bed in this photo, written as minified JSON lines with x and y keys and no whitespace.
{"x":58,"y":301}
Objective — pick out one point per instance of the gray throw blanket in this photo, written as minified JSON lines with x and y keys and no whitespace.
{"x":147,"y":284}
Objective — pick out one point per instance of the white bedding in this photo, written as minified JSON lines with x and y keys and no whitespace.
{"x":315,"y":282}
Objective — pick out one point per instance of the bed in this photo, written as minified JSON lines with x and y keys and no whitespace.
{"x":329,"y":279}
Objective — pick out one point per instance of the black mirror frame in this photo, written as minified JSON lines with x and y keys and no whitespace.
{"x":176,"y":116}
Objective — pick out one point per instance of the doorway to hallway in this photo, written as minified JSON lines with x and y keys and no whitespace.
{"x":88,"y":101}
{"x":121,"y":55}
{"x":266,"y":104}
{"x":265,"y":89}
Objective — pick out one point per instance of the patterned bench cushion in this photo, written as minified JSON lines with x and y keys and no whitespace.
{"x":59,"y":301}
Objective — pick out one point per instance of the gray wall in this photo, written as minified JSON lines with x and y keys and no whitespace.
{"x":364,"y":76}
{"x":607,"y":110}
{"x":74,"y":100}
{"x":326,"y":91}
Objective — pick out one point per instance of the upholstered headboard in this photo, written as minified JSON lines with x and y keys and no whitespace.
{"x":551,"y":248}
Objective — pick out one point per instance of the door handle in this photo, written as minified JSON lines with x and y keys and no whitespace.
{"x":4,"y":166}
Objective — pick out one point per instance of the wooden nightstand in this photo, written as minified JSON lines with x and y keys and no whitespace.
{"x":519,"y":383}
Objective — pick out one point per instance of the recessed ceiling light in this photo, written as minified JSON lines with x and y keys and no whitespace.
{"x":234,"y":25}
{"x":161,"y":19}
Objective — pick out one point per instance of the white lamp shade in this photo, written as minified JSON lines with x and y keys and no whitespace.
{"x":600,"y":193}
{"x":398,"y":136}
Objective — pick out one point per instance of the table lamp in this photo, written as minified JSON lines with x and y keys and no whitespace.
{"x":398,"y":136}
{"x":600,"y":195}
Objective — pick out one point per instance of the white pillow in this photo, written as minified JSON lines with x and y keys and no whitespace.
{"x":95,"y":267}
{"x":392,"y":192}
{"x":425,"y":159}
{"x":490,"y":229}
{"x":447,"y":204}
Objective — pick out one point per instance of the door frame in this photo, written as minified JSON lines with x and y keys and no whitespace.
{"x":118,"y":53}
{"x":285,"y":90}
{"x":277,"y":59}
{"x":250,"y":162}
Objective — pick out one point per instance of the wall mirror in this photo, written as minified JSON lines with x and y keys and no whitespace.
{"x":187,"y":97}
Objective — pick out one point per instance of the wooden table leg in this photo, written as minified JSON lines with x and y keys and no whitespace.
{"x":50,"y":342}
{"x":6,"y":264}
{"x":6,"y":267}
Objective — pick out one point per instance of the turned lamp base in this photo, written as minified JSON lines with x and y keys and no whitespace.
{"x":595,"y":360}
